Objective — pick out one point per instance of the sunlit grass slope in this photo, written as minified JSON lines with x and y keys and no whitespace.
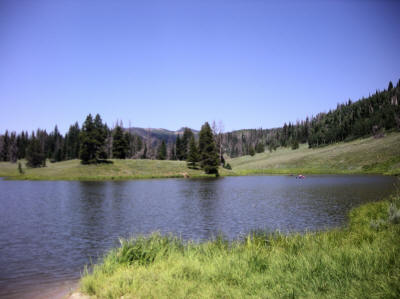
{"x":360,"y":261}
{"x":370,"y":155}
{"x":119,"y":169}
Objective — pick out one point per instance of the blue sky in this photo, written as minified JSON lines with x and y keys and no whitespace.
{"x":168,"y":64}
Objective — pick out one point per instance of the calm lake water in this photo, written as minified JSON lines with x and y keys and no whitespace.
{"x":49,"y":230}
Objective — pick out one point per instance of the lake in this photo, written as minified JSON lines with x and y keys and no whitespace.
{"x":50,"y":230}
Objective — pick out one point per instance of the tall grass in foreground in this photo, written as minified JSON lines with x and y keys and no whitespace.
{"x":359,"y":261}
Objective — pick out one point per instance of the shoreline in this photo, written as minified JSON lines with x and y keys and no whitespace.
{"x":75,"y":293}
{"x":362,"y":156}
{"x":240,"y":173}
{"x":278,"y":265}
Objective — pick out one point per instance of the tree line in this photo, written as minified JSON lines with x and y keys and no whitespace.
{"x":95,"y":142}
{"x":371,"y":116}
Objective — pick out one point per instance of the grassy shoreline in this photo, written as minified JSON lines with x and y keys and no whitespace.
{"x":360,"y":260}
{"x":73,"y":170}
{"x":362,"y":156}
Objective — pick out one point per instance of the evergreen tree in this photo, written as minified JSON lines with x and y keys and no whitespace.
{"x":208,"y":151}
{"x":5,"y":149}
{"x":129,"y":140}
{"x":108,"y":143}
{"x":34,"y":154}
{"x":100,"y":137}
{"x":187,"y":135}
{"x":87,"y":142}
{"x":13,"y":149}
{"x":92,"y":140}
{"x":193,"y":155}
{"x":162,"y":151}
{"x":120,"y":144}
{"x":390,"y":87}
{"x":22,"y":143}
{"x":55,"y":146}
{"x":179,"y":149}
{"x":72,"y":144}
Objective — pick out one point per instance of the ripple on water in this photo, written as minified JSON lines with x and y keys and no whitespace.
{"x":49,"y":230}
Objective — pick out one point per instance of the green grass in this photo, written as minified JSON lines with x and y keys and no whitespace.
{"x":369,"y":155}
{"x":381,"y":156}
{"x":359,"y":261}
{"x":118,"y":170}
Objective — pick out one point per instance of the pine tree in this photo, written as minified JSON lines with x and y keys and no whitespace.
{"x":208,"y":151}
{"x":193,"y":155}
{"x":390,"y":87}
{"x":22,"y":143}
{"x":55,"y":146}
{"x":92,"y":140}
{"x":13,"y":149}
{"x":72,"y":144}
{"x":34,"y":154}
{"x":4,"y":154}
{"x":162,"y":151}
{"x":119,"y":145}
{"x":87,"y":142}
{"x":187,"y":135}
{"x":100,"y":136}
{"x":129,"y":140}
{"x":108,"y":142}
{"x":178,"y":146}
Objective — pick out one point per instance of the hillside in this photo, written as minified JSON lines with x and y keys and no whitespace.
{"x":369,"y":155}
{"x":158,"y":134}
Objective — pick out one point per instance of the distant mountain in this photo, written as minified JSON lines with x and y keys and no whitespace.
{"x":156,"y":135}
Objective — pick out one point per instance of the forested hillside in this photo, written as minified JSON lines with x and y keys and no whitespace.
{"x":375,"y":115}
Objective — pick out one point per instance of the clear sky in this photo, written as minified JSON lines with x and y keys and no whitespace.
{"x":168,"y":64}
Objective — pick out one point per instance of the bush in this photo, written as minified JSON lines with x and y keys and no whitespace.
{"x":252,"y":152}
{"x":295,"y":145}
{"x":20,"y":170}
{"x":228,"y":166}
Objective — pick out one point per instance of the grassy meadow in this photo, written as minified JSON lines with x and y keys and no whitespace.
{"x":359,"y":261}
{"x":118,"y":170}
{"x":369,"y":155}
